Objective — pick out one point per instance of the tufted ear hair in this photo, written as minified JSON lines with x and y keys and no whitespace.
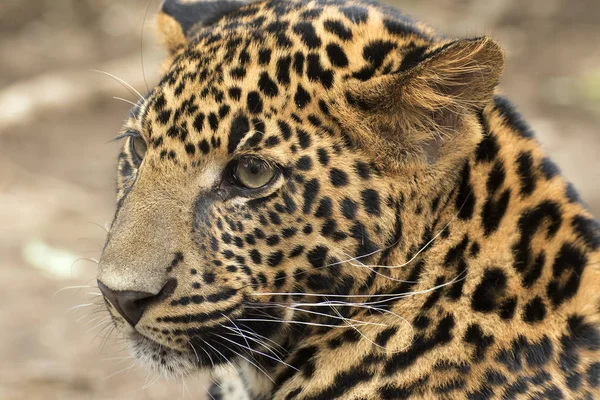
{"x":179,"y":20}
{"x":425,"y":113}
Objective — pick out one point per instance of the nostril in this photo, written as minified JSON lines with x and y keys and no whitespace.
{"x":130,"y":304}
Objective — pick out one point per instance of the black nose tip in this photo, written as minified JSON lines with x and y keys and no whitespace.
{"x":130,"y":304}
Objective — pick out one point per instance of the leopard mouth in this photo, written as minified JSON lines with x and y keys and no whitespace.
{"x":207,"y":351}
{"x":205,"y":348}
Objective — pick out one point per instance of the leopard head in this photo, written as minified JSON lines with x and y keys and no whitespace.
{"x":288,"y":147}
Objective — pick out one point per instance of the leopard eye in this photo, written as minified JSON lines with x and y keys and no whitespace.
{"x":139,"y":147}
{"x":253,"y":173}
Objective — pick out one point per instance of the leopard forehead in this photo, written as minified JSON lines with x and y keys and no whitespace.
{"x":268,"y":65}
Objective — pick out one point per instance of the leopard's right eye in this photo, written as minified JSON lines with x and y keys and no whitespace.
{"x":253,"y":173}
{"x":138,"y":147}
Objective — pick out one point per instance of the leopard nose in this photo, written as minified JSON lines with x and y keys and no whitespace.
{"x":129,"y":303}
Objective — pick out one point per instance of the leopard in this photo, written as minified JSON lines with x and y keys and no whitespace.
{"x":326,"y":199}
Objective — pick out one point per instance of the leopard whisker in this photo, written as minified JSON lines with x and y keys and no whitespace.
{"x":219,"y":353}
{"x":259,"y":342}
{"x":240,"y":332}
{"x":128,"y":368}
{"x":247,"y":360}
{"x":147,"y":385}
{"x":124,"y":100}
{"x":290,"y":322}
{"x":251,"y":332}
{"x":246,"y":338}
{"x":207,"y":354}
{"x":130,"y":88}
{"x":104,"y":228}
{"x":412,"y":331}
{"x":331,"y":316}
{"x":79,"y":306}
{"x":392,"y":296}
{"x":94,"y":319}
{"x":258,"y":352}
{"x":73,"y":287}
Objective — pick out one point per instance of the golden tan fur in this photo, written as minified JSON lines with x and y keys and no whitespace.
{"x":438,"y":252}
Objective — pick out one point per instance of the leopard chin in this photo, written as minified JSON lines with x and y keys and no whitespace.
{"x":162,"y":359}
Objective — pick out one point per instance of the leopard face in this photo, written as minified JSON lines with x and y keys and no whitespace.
{"x":246,"y":208}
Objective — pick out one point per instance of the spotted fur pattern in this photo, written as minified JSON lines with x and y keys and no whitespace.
{"x":417,"y":242}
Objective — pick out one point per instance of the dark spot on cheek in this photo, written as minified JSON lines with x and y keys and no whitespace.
{"x":371,"y":201}
{"x":213,"y":121}
{"x":303,"y":138}
{"x":348,"y":208}
{"x":588,"y":230}
{"x":304,"y":163}
{"x":267,"y":86}
{"x":324,"y":208}
{"x":254,"y":102}
{"x":526,"y":173}
{"x":255,"y":256}
{"x":362,"y":170}
{"x":491,"y":287}
{"x":296,"y":251}
{"x":275,"y":258}
{"x":280,"y":279}
{"x":465,"y":200}
{"x":235,"y":93}
{"x":273,"y":240}
{"x":412,"y":57}
{"x":302,"y":97}
{"x":323,"y":156}
{"x":178,"y":258}
{"x":311,"y":189}
{"x":338,"y":177}
{"x":272,"y":141}
{"x":208,"y":277}
{"x":317,"y":255}
{"x":548,"y":168}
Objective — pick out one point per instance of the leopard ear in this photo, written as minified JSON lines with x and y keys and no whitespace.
{"x":179,"y":20}
{"x":426,"y":111}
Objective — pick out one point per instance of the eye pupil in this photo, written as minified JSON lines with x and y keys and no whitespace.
{"x":253,"y":173}
{"x":254,"y":167}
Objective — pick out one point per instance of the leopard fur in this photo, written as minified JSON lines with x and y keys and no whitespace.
{"x":415,"y":242}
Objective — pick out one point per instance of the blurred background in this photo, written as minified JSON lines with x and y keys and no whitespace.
{"x":57,"y":168}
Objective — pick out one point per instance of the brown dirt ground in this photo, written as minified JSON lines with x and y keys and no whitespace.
{"x":57,"y":170}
